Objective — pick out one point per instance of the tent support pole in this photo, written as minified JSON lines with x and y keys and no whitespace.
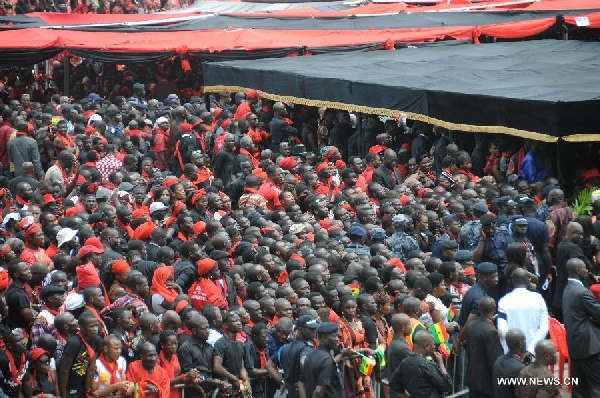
{"x":561,"y":165}
{"x":66,"y":75}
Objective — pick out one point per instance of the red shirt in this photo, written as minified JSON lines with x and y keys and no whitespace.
{"x":271,"y":192}
{"x":242,"y":110}
{"x":161,"y":144}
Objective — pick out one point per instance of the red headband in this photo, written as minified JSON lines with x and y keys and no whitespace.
{"x":182,"y":304}
{"x":33,"y":228}
{"x":321,"y":167}
{"x":5,"y":250}
{"x":331,"y":151}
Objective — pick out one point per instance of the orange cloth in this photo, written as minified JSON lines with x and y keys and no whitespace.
{"x":159,"y":378}
{"x":159,"y":283}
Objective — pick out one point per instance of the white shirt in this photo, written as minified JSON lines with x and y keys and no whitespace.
{"x":525,"y":310}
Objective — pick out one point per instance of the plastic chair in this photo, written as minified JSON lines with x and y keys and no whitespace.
{"x":558,"y":334}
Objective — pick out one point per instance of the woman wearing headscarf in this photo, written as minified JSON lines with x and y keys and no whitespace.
{"x":205,"y":290}
{"x":118,"y":272}
{"x":41,"y":380}
{"x":164,"y":291}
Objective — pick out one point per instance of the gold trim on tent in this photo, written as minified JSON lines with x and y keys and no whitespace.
{"x":409,"y":115}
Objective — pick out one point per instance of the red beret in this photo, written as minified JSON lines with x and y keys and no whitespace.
{"x":252,"y":94}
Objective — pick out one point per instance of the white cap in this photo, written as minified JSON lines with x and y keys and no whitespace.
{"x":95,"y":118}
{"x":10,"y":216}
{"x":65,"y":235}
{"x":158,"y":206}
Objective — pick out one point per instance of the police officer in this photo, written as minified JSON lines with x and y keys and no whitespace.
{"x":470,"y":231}
{"x":292,"y":356}
{"x":401,"y":243}
{"x":321,"y":373}
{"x":357,"y":234}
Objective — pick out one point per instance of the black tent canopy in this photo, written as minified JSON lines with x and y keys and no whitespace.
{"x":543,"y":90}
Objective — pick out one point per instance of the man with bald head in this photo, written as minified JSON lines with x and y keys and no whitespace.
{"x":511,"y":363}
{"x":545,"y":356}
{"x":418,"y":376}
{"x":279,"y":127}
{"x":582,"y":319}
{"x":483,"y":348}
{"x":28,"y":177}
{"x":223,"y":163}
{"x":569,"y":249}
{"x":523,"y":309}
{"x":558,"y":219}
{"x":398,"y":349}
{"x":23,"y":149}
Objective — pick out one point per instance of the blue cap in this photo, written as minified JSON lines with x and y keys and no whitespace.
{"x":378,"y":233}
{"x":327,"y":328}
{"x":480,"y":207}
{"x":463,"y":255}
{"x":357,"y":230}
{"x":451,"y":218}
{"x":400,"y":220}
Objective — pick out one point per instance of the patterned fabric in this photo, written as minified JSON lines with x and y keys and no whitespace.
{"x":353,"y":336}
{"x":31,"y":256}
{"x":43,"y":323}
{"x":109,"y":164}
{"x":131,"y":301}
{"x":252,"y":199}
{"x":558,"y":218}
{"x":401,"y":244}
{"x":470,"y":234}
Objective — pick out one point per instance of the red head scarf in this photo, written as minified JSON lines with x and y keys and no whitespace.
{"x":87,"y":275}
{"x":159,"y":283}
{"x":205,"y":266}
{"x":33,"y":228}
{"x":37,"y":352}
{"x":3,"y":279}
{"x":120,"y":266}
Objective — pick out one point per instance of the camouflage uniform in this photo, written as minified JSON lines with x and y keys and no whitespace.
{"x":401,"y":244}
{"x":470,"y":233}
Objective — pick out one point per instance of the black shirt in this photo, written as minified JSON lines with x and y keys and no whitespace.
{"x":10,"y":387}
{"x":420,"y":378}
{"x":320,"y":369}
{"x":16,"y":300}
{"x":76,"y":349}
{"x":289,"y":361}
{"x":508,"y":365}
{"x":232,"y":354}
{"x":370,"y":330}
{"x":252,"y":361}
{"x":194,"y":354}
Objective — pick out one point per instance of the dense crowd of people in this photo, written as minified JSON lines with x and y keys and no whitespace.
{"x":227,"y":243}
{"x":10,"y":7}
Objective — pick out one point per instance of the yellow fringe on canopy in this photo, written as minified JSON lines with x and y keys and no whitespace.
{"x":409,"y":115}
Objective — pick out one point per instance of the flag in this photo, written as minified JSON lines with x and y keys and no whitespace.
{"x":381,"y":354}
{"x":445,"y":349}
{"x":451,"y":312}
{"x":366,"y":366}
{"x":355,"y":289}
{"x":438,"y":330}
{"x":56,"y":119}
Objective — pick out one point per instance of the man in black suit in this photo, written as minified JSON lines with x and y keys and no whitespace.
{"x":483,"y":348}
{"x":511,"y":363}
{"x":582,"y":317}
{"x":568,"y":249}
{"x":387,"y":174}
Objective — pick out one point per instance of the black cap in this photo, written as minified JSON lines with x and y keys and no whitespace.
{"x":487,"y":268}
{"x":219,"y":254}
{"x":463,"y":255}
{"x":306,"y":321}
{"x":487,"y":220}
{"x":449,"y":244}
{"x":327,"y":328}
{"x":51,"y":290}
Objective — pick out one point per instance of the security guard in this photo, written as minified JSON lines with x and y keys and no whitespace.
{"x":292,"y":356}
{"x":320,"y":372}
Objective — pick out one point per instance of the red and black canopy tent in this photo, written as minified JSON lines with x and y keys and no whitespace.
{"x":126,"y":39}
